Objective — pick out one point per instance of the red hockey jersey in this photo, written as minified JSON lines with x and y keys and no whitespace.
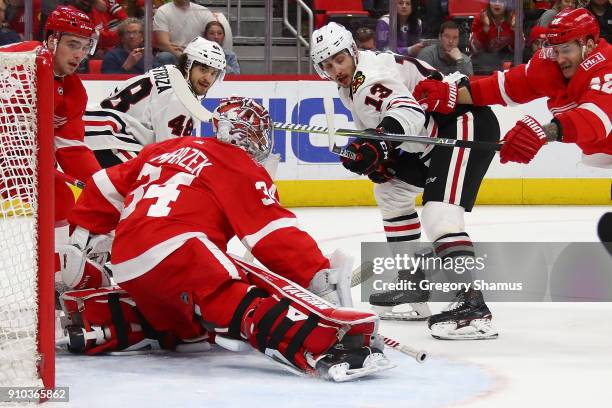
{"x":70,"y":100}
{"x":582,"y":105}
{"x":193,"y":188}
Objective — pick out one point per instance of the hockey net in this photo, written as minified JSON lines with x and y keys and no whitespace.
{"x":26,"y":220}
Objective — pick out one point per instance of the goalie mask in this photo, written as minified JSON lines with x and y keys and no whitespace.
{"x":246,"y":124}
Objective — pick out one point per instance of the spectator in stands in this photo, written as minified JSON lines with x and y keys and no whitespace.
{"x":493,"y":28}
{"x":114,"y":10}
{"x":548,"y":15}
{"x":126,"y":58}
{"x":409,"y":29}
{"x":434,"y":15}
{"x":177,"y":23}
{"x":99,"y":15}
{"x":215,"y":31}
{"x":492,"y":38}
{"x":446,"y":56}
{"x":536,"y":40}
{"x":602,"y":9}
{"x":15,"y":14}
{"x":7,"y":35}
{"x":365,"y":39}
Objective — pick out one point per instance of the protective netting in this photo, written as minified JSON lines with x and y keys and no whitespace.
{"x":18,"y":199}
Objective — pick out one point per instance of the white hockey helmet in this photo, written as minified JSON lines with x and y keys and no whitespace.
{"x":329,"y":40}
{"x":246,"y":124}
{"x":206,"y":52}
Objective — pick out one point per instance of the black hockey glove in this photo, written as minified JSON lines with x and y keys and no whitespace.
{"x":383,"y":172}
{"x":370,"y":154}
{"x":404,"y":166}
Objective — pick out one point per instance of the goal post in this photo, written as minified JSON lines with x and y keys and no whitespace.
{"x":27,"y":300}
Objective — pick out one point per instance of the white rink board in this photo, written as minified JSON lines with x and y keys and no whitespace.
{"x":308,"y":160}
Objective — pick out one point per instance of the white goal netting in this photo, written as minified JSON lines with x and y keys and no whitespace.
{"x":18,"y":223}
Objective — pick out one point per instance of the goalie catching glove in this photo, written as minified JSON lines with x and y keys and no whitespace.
{"x":81,"y":263}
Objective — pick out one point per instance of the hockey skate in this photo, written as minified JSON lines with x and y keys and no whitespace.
{"x":403,"y":304}
{"x":341,"y":364}
{"x":466,"y":318}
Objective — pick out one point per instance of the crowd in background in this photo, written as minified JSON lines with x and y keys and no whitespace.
{"x":475,"y":44}
{"x":479,"y":43}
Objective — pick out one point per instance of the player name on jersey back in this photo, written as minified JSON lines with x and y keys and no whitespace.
{"x":188,"y":158}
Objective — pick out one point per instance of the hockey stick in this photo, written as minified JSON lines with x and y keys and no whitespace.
{"x":419,"y":355}
{"x":328,"y":107}
{"x":69,"y":179}
{"x":392,"y":137}
{"x":186,"y":97}
{"x":361,"y":274}
{"x":195,"y":108}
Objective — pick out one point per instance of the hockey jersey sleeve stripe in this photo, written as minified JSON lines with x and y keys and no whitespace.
{"x":599,"y":114}
{"x":501,"y":81}
{"x":143,"y":263}
{"x":60,"y":142}
{"x":251,"y":240}
{"x":108,"y":190}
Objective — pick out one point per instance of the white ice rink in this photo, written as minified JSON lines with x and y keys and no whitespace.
{"x":547,"y":354}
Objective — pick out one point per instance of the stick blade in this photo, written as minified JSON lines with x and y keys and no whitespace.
{"x":186,"y":97}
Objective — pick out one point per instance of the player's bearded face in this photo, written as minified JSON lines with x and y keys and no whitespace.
{"x":202,"y":77}
{"x":69,"y":53}
{"x":340,"y":68}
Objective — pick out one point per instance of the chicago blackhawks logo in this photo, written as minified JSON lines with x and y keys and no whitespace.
{"x":358,"y":80}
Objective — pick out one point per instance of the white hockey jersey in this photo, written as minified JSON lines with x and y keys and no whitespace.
{"x":140,"y":111}
{"x":382,"y":86}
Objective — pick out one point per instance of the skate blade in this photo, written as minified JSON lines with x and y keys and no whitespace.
{"x":374,"y":363}
{"x":419,"y":312}
{"x":479,"y":329}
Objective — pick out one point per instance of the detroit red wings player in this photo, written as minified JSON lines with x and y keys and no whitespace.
{"x":70,"y":36}
{"x":175,"y":207}
{"x":574,"y":72}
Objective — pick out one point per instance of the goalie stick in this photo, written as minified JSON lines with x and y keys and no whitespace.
{"x":195,"y":108}
{"x":361,"y":274}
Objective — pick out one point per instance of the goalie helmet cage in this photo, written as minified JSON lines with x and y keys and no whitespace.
{"x":27,"y":301}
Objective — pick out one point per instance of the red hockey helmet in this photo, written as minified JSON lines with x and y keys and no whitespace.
{"x":245,"y":123}
{"x":572,"y":24}
{"x":67,"y":19}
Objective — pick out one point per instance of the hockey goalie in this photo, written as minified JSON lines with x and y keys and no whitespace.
{"x":173,"y":209}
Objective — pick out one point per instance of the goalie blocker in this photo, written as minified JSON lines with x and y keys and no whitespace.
{"x":287,"y":323}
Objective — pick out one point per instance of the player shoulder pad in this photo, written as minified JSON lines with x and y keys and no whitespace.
{"x":372,"y":68}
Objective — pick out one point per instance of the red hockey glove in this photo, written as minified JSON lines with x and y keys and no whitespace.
{"x":370,"y":153}
{"x":523,"y":141}
{"x":436,"y":96}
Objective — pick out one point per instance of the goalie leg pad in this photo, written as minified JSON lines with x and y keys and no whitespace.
{"x":296,"y":327}
{"x":106,"y":320}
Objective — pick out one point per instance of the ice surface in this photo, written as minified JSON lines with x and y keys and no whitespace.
{"x":547,"y":354}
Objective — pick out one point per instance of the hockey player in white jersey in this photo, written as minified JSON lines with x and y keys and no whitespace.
{"x":145,"y":108}
{"x":377,"y":87}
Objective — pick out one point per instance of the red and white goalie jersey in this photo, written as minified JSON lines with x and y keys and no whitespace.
{"x":582,"y":105}
{"x":193,"y":188}
{"x":140,"y":111}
